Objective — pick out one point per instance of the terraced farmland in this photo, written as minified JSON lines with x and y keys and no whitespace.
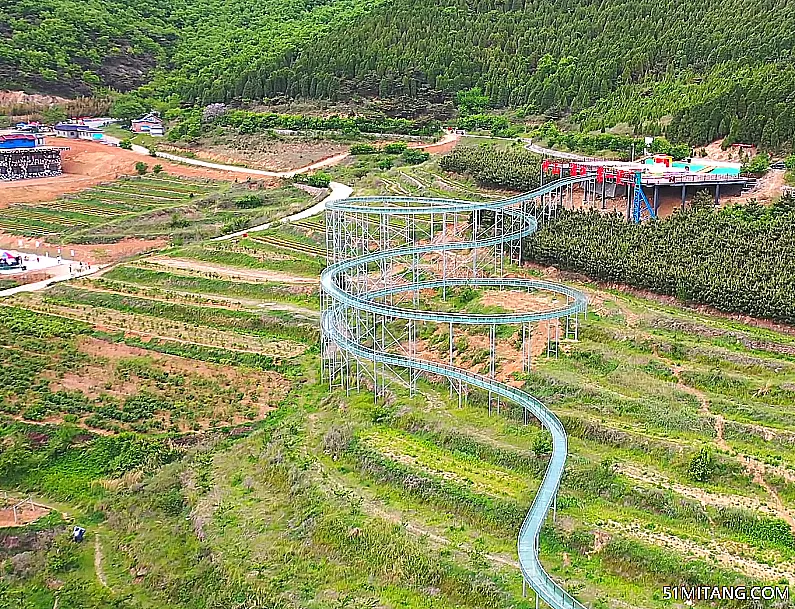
{"x":102,"y":204}
{"x":680,"y":440}
{"x":175,"y":405}
{"x":425,"y":180}
{"x":151,"y":279}
{"x":290,"y":244}
{"x":288,"y":250}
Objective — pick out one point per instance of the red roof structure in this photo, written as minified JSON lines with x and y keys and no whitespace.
{"x":18,"y":140}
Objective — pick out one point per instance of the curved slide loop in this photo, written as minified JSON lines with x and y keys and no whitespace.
{"x":358,"y":307}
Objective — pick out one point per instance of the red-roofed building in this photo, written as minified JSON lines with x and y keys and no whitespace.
{"x":24,"y":155}
{"x":20,"y":140}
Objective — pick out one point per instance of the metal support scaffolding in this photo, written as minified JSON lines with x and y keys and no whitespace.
{"x":388,"y":256}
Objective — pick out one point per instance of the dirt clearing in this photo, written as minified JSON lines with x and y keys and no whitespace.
{"x":17,"y":512}
{"x":262,"y":152}
{"x":524,"y":302}
{"x":287,"y":153}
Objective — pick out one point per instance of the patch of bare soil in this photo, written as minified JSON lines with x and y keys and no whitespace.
{"x":508,"y":356}
{"x":540,"y":333}
{"x":525,"y":302}
{"x":443,"y":146}
{"x":768,"y":188}
{"x":90,"y":381}
{"x":168,"y":363}
{"x":16,"y":512}
{"x":734,"y":155}
{"x":290,"y":153}
{"x":8,"y":99}
{"x":231,"y":272}
{"x":98,"y":558}
{"x":263,"y":152}
{"x":29,"y":276}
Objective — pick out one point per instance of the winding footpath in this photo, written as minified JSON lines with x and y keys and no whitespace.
{"x":349,"y":299}
{"x":45,"y":283}
{"x":754,"y":467}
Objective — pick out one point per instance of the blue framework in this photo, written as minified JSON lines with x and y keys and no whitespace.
{"x":641,"y":208}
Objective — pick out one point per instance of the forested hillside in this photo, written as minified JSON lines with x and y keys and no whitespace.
{"x":711,"y":68}
{"x":66,"y":47}
{"x":717,"y":66}
{"x":737,"y":259}
{"x":201,"y":47}
{"x":234,"y":48}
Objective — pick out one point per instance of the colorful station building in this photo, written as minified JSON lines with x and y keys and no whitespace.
{"x":24,"y":155}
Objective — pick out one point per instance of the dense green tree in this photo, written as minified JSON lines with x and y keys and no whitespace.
{"x":692,"y":65}
{"x":737,"y":259}
{"x":758,"y":165}
{"x":472,"y":101}
{"x":415,"y":157}
{"x":702,"y":466}
{"x":53,"y":115}
{"x":515,"y":168}
{"x":128,"y":107}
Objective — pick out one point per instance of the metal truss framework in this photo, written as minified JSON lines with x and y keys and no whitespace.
{"x":642,"y":209}
{"x":385,"y":252}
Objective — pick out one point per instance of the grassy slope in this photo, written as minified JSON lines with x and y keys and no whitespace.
{"x":154,"y":206}
{"x":335,"y":501}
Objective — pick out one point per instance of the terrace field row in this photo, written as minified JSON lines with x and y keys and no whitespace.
{"x":126,"y":197}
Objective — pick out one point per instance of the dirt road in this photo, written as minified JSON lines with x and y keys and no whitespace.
{"x":338,"y":192}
